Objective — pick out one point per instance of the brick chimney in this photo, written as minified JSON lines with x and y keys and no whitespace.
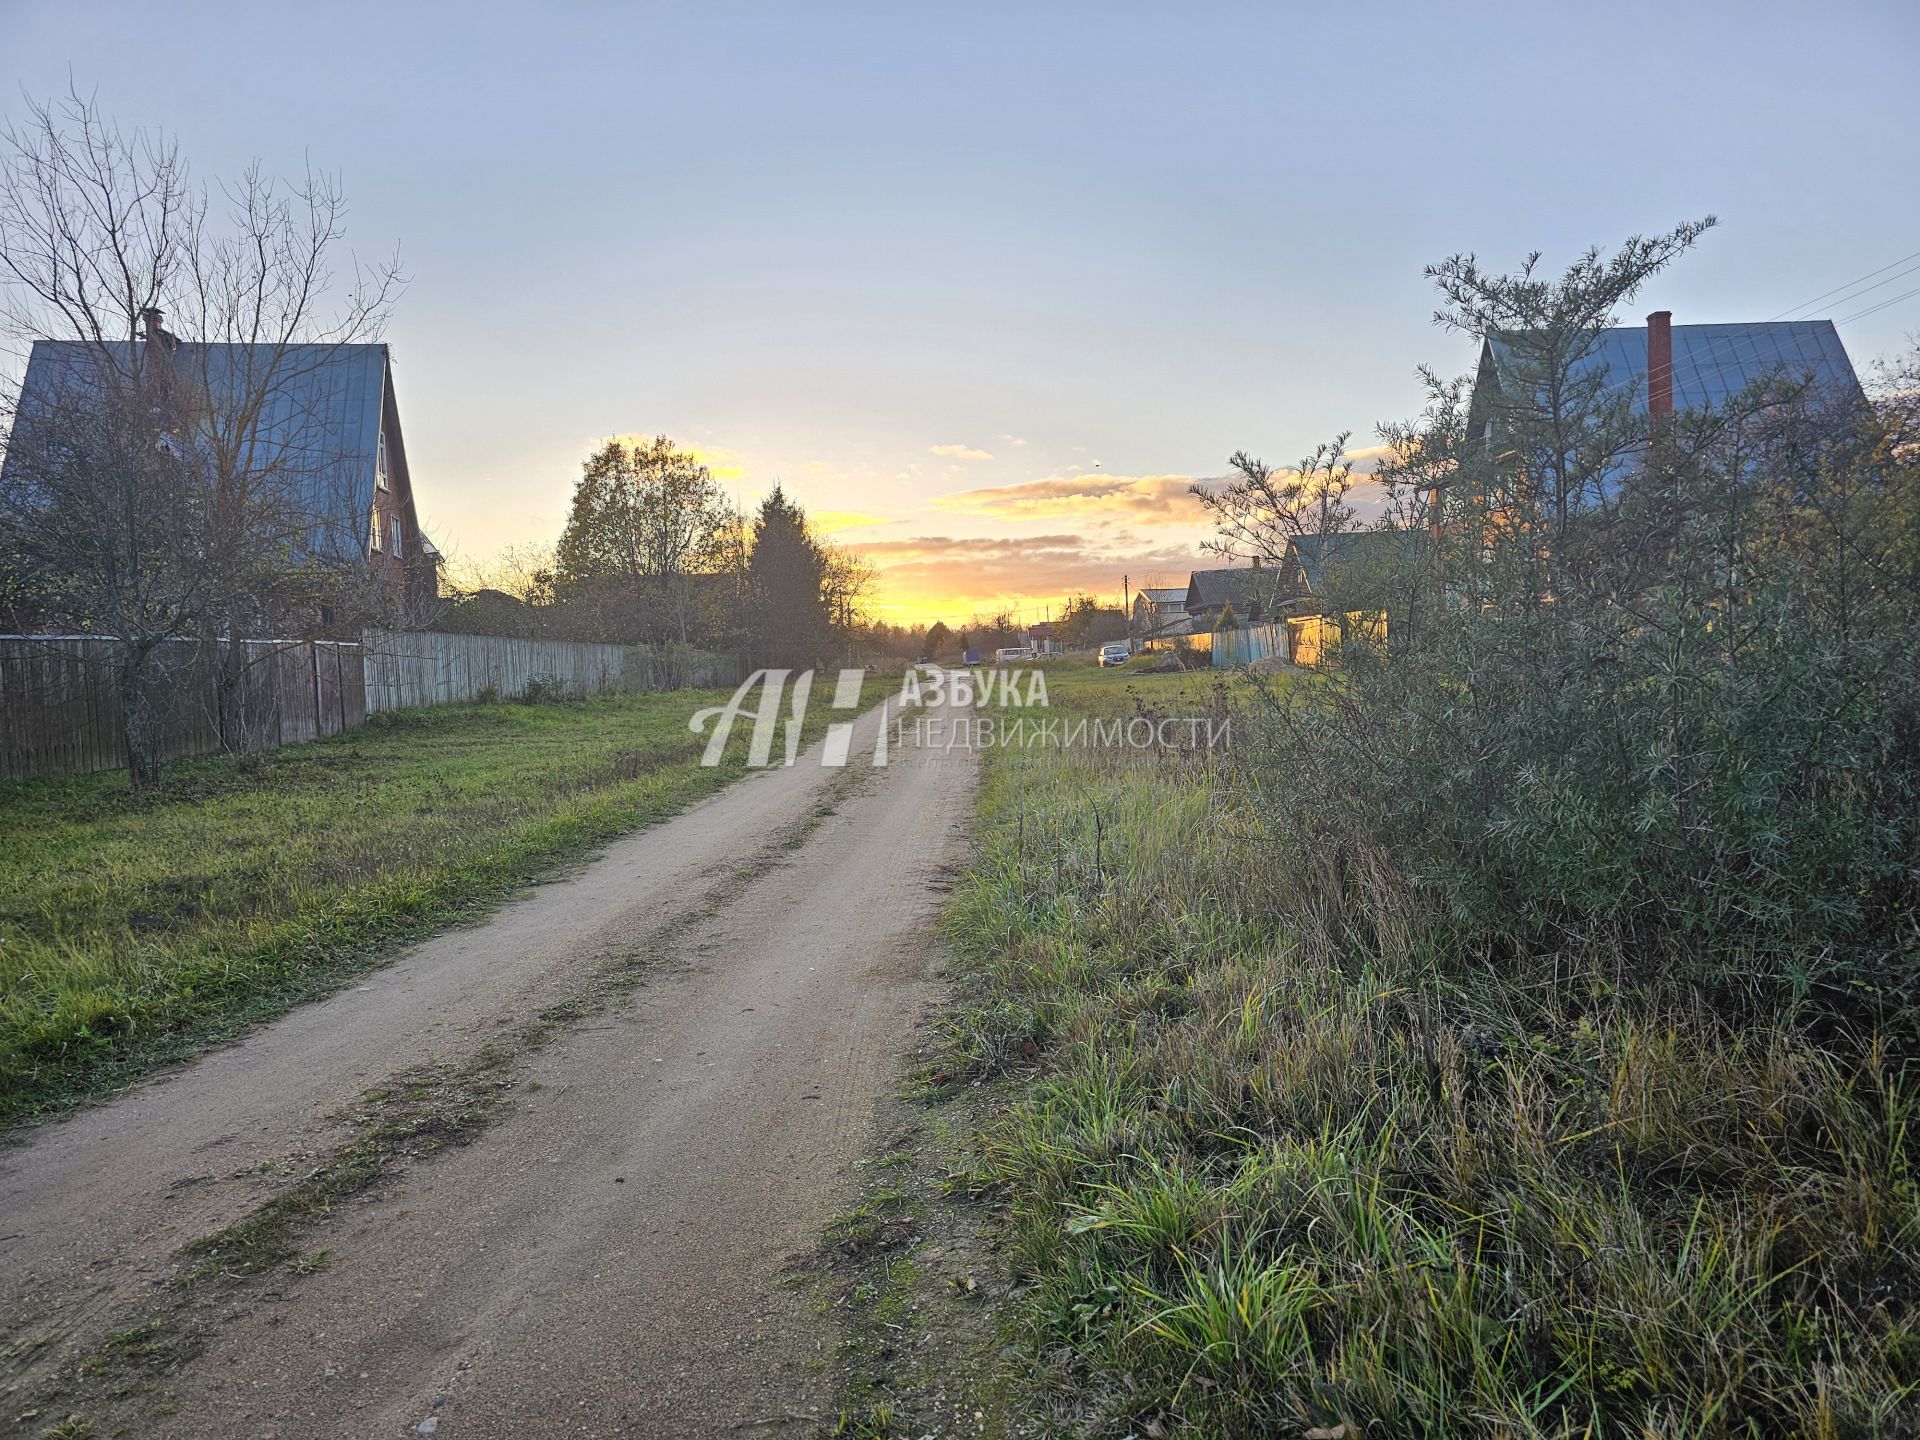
{"x":1660,"y":366}
{"x":158,"y":358}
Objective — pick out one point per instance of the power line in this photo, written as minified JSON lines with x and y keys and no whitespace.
{"x":1871,"y":309}
{"x":1869,"y":289}
{"x":1728,"y":345}
{"x":1850,"y":284}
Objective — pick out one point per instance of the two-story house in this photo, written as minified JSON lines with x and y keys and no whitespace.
{"x":306,"y":436}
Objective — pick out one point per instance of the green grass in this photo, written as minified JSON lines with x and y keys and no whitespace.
{"x":1078,"y":685}
{"x":1265,"y":1177}
{"x":137,"y":928}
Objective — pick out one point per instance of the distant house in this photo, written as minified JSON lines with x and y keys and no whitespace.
{"x":1312,"y":561}
{"x":1245,"y":595}
{"x":315,"y":428}
{"x":1335,"y":586}
{"x":1155,"y":607}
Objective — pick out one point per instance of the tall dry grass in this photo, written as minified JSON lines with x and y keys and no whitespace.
{"x":1277,"y":1158}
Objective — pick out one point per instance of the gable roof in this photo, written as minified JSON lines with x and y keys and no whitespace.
{"x":1242,"y":588}
{"x":317,"y":434}
{"x":1163,"y":595}
{"x":1711,"y":363}
{"x":1316,"y":554}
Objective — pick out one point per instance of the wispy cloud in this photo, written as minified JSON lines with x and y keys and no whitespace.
{"x":961,"y":452}
{"x":1137,"y":499}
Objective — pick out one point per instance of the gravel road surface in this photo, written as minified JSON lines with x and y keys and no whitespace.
{"x":607,"y":1257}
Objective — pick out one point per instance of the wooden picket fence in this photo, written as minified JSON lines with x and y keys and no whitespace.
{"x":60,"y":701}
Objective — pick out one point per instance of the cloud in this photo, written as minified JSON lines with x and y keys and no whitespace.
{"x":961,"y":452}
{"x":1367,"y":458}
{"x":1137,"y":499}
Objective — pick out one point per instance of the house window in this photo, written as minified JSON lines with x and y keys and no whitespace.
{"x":380,"y":463}
{"x":397,"y":531}
{"x":373,"y":531}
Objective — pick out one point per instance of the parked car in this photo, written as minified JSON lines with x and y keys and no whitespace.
{"x":1114,"y":654}
{"x":1012,"y":652}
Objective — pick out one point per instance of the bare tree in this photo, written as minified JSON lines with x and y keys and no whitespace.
{"x":183,"y":483}
{"x":846,"y":583}
{"x":1258,"y":511}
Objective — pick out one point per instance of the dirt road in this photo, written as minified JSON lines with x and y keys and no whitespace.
{"x":605,"y":1257}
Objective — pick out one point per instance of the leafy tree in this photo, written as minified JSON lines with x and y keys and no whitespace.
{"x":939,"y":639}
{"x":1085,"y":621}
{"x":994,"y":631}
{"x":647,"y":518}
{"x":845,"y":581}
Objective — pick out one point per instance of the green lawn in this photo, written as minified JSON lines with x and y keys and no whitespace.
{"x":135,"y":929}
{"x":1077,"y":686}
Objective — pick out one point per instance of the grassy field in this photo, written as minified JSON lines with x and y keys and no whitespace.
{"x":135,"y":929}
{"x":1078,"y":686}
{"x":1261,"y":1178}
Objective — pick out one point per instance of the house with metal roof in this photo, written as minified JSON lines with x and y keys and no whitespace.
{"x":311,"y":432}
{"x":1312,"y":561}
{"x":1157,"y":609}
{"x":1661,"y":368}
{"x":1248,"y":593}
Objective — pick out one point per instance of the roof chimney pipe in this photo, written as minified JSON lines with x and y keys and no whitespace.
{"x":158,"y":355}
{"x":1660,"y":366}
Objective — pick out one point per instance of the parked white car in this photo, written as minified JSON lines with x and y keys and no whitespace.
{"x":1013,"y":652}
{"x":1114,"y":654}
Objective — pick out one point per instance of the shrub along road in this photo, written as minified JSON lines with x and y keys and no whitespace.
{"x":539,"y":1176}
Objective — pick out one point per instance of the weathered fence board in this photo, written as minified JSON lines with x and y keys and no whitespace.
{"x":1244,"y":646}
{"x":61,"y":702}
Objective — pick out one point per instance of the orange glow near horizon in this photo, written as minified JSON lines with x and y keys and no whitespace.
{"x":958,"y":579}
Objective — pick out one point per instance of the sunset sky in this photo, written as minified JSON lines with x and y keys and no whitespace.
{"x":988,"y":285}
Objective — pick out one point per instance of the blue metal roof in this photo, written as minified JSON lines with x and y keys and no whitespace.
{"x":1714,"y":363}
{"x":317,"y":434}
{"x":1314,"y":553}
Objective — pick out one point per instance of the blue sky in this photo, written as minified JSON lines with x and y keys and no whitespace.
{"x":859,"y":247}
